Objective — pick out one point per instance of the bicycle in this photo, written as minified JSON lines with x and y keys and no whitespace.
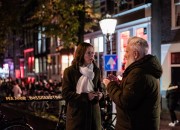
{"x":61,"y":124}
{"x":107,"y":116}
{"x":108,"y":120}
{"x":15,"y":124}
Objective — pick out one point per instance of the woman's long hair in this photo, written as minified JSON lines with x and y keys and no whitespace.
{"x":79,"y":54}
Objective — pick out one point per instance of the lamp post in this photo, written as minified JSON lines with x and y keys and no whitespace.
{"x":108,"y":25}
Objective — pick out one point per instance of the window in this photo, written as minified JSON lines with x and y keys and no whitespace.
{"x":175,"y":6}
{"x":98,"y":49}
{"x":66,"y":61}
{"x":98,"y":44}
{"x":175,"y":58}
{"x":43,"y":41}
{"x":124,"y":36}
{"x":142,"y":32}
{"x":36,"y":65}
{"x":39,"y":40}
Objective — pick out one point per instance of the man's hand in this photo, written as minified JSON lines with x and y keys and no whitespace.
{"x":106,"y":82}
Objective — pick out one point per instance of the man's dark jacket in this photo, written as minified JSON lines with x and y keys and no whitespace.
{"x":137,"y":98}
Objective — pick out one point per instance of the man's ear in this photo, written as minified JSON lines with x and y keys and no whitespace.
{"x":136,"y":55}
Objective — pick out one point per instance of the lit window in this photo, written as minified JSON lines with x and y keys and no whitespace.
{"x":87,"y":40}
{"x":142,"y":32}
{"x":98,"y":44}
{"x":66,"y":61}
{"x":124,"y":36}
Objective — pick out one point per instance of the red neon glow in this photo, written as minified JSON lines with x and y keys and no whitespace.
{"x":30,"y":63}
{"x":29,"y":50}
{"x":124,"y":36}
{"x":31,"y":79}
{"x":22,"y":71}
{"x":21,"y":68}
{"x":18,"y":73}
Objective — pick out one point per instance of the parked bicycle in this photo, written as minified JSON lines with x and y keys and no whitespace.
{"x":61,"y":124}
{"x":14,"y":124}
{"x":108,"y":120}
{"x":107,"y":116}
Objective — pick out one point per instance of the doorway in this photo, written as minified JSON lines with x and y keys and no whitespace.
{"x":175,"y":75}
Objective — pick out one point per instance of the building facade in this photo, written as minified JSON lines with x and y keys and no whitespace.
{"x":170,"y":47}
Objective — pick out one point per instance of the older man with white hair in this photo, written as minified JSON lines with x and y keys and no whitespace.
{"x":137,"y":97}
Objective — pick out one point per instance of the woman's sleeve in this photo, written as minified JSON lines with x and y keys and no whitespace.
{"x":69,"y":91}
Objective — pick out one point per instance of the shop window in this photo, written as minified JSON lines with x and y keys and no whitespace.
{"x":175,"y":6}
{"x":66,"y":61}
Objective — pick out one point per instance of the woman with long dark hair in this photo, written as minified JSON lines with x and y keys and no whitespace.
{"x":81,"y":89}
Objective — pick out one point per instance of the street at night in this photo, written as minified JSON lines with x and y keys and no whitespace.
{"x":41,"y":62}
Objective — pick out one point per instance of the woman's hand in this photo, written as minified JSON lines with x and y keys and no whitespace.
{"x":92,"y":95}
{"x":100,"y":95}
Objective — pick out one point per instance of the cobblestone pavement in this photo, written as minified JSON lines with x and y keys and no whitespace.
{"x":165,"y":120}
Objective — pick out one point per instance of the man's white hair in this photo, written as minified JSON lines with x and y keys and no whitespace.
{"x":139,"y":44}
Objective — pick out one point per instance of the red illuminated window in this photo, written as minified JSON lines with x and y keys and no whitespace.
{"x":124,"y":36}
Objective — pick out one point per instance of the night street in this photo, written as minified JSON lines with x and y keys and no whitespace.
{"x":44,"y":124}
{"x":79,"y":56}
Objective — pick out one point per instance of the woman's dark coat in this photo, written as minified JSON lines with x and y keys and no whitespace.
{"x":82,"y":114}
{"x":137,"y":98}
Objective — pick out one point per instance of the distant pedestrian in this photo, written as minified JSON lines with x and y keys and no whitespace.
{"x":16,"y":89}
{"x":172,"y":95}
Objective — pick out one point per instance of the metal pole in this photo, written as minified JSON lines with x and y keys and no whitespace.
{"x":110,"y":40}
{"x":105,"y":38}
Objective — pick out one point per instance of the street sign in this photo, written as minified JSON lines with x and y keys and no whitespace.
{"x":110,"y":63}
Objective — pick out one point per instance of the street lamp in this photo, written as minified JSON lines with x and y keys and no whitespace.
{"x":108,"y":26}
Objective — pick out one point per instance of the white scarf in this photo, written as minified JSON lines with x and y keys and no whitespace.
{"x":85,"y":84}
